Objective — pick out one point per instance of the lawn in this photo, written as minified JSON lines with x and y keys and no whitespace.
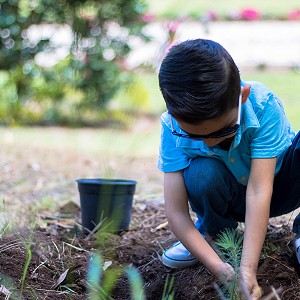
{"x":285,"y":83}
{"x":174,"y":8}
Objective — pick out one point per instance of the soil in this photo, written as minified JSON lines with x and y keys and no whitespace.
{"x":60,"y":252}
{"x":59,"y":246}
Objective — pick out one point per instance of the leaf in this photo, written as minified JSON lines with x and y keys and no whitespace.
{"x":4,"y":291}
{"x":64,"y":276}
{"x":106,"y":265}
{"x":61,"y":278}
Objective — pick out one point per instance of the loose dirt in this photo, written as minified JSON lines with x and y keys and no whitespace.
{"x":59,"y":248}
{"x":37,"y":188}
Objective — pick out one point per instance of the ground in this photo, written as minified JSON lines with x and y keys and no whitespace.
{"x":38,"y":191}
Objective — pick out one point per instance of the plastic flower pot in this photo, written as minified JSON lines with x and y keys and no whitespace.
{"x":106,"y":203}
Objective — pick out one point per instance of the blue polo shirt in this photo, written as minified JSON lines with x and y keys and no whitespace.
{"x":264,"y":132}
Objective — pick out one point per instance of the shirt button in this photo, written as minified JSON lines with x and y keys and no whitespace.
{"x":232,"y":160}
{"x":243,"y":178}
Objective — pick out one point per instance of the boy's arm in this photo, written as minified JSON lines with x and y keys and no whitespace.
{"x":177,"y":210}
{"x":258,"y":199}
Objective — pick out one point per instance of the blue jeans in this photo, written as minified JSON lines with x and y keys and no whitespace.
{"x":220,"y":201}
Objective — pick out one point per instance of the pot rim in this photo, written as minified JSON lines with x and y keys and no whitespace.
{"x":100,"y":181}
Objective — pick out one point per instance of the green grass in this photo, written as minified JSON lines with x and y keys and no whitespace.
{"x":109,"y":141}
{"x":286,"y":85}
{"x":141,"y":141}
{"x":175,"y":8}
{"x":283,"y":83}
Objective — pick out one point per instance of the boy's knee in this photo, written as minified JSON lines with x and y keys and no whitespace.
{"x":205,"y":176}
{"x":205,"y":170}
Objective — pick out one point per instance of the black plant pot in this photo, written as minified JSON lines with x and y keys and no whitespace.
{"x":106,"y":203}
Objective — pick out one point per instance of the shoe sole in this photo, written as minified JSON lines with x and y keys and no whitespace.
{"x":177,"y":264}
{"x":297,"y":248}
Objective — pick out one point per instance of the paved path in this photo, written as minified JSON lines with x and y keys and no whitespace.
{"x":274,"y":43}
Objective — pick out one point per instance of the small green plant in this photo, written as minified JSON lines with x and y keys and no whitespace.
{"x":136,"y":283}
{"x":27,"y":245}
{"x":100,"y":285}
{"x":169,"y":290}
{"x":229,"y":243}
{"x":4,"y":224}
{"x":269,"y":247}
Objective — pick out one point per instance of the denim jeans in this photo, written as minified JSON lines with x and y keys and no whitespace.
{"x":220,"y":201}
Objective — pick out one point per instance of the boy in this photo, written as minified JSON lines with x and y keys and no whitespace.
{"x":228,"y":149}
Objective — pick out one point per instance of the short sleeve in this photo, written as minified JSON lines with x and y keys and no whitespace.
{"x":171,"y":158}
{"x":272,"y":137}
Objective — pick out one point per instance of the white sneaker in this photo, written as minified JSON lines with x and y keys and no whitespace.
{"x":179,"y":257}
{"x":297,"y":248}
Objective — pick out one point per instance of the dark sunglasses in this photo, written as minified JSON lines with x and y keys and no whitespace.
{"x":214,"y":135}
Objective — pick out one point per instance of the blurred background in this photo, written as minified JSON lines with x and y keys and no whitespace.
{"x":79,"y":89}
{"x":94,"y":63}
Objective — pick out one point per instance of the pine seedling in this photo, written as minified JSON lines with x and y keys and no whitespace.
{"x":230,"y":244}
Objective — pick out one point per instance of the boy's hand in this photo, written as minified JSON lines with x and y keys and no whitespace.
{"x":249,"y":281}
{"x":225,"y":273}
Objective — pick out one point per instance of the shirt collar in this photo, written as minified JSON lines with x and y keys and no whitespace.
{"x":248,"y":120}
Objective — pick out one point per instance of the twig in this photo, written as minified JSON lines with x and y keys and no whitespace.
{"x":288,"y":290}
{"x":56,"y":249}
{"x":9,"y":246}
{"x":3,"y":230}
{"x":77,"y":248}
{"x":273,"y":294}
{"x":4,"y":291}
{"x":149,"y":218}
{"x":162,"y":225}
{"x":41,"y":264}
{"x":148,"y":263}
{"x":280,"y":262}
{"x":91,"y":232}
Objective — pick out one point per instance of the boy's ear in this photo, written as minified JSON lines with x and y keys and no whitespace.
{"x":245,"y":92}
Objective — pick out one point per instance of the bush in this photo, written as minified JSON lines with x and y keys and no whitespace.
{"x":99,"y":40}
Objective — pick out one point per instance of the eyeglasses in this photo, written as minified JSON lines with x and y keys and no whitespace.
{"x":214,"y":135}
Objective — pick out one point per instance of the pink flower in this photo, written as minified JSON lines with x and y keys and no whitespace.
{"x":212,"y":15}
{"x":172,"y":26}
{"x":148,"y":18}
{"x":294,"y":14}
{"x":249,"y":14}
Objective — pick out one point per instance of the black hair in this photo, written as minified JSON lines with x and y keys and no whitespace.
{"x":199,"y":81}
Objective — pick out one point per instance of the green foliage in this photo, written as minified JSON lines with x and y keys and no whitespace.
{"x":169,"y":290}
{"x":229,"y":244}
{"x":101,"y":34}
{"x":268,"y":248}
{"x":135,"y":96}
{"x":100,"y":283}
{"x":136,"y":284}
{"x":27,"y":245}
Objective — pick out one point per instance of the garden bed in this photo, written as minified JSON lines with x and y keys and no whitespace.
{"x":60,"y":250}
